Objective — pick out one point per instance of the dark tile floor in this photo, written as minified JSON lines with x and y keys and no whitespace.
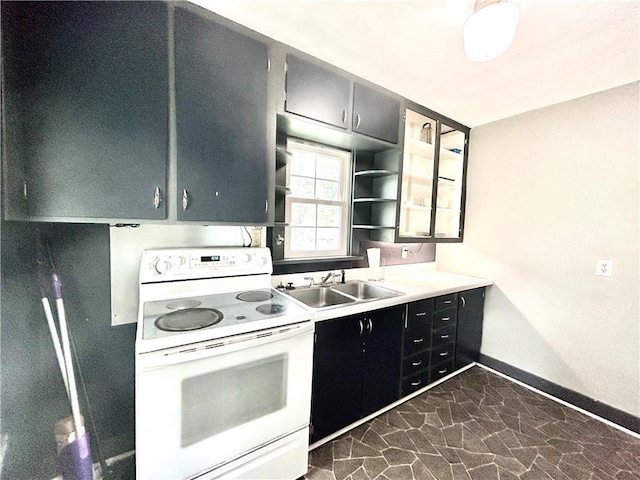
{"x":479,"y":426}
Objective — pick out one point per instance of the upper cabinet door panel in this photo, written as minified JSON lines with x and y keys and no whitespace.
{"x":316,"y":93}
{"x":221,"y":110}
{"x":85,"y":113}
{"x":375,"y":114}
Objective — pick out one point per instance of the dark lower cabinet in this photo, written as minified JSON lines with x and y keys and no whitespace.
{"x":470,"y":318}
{"x":356,"y":368}
{"x":221,"y":113}
{"x":429,"y":341}
{"x":84,"y":115}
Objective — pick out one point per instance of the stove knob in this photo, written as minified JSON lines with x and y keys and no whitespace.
{"x":246,"y":257}
{"x":180,"y":261}
{"x":162,"y":266}
{"x":262,"y":261}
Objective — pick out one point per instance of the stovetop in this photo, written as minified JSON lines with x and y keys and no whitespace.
{"x":229,"y":313}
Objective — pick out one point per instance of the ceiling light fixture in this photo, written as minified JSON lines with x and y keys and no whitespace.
{"x":489,"y":32}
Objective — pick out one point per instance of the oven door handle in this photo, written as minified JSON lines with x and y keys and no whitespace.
{"x":212,"y":348}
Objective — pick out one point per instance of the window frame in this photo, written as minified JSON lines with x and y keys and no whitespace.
{"x":346,"y":187}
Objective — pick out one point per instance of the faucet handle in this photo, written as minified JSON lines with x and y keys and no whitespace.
{"x":310,"y":280}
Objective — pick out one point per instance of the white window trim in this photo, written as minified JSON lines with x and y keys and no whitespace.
{"x":345,"y":202}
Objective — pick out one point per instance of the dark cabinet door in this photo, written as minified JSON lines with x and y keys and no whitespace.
{"x":221,"y":115}
{"x":383,"y":358}
{"x":375,"y":114}
{"x":337,"y":375}
{"x":85,"y":108}
{"x":469,"y":331}
{"x":316,"y":93}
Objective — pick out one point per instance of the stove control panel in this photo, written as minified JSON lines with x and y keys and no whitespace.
{"x":193,"y":263}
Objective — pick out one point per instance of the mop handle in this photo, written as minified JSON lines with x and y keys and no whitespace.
{"x":56,"y":342}
{"x":66,"y":347}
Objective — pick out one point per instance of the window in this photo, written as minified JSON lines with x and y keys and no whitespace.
{"x":317,"y":209}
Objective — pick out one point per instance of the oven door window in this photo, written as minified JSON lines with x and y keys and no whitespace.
{"x":218,"y":401}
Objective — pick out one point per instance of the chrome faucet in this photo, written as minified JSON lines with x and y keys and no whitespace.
{"x":310,"y":280}
{"x":326,"y":278}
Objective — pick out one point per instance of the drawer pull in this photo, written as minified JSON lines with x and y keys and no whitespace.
{"x":443,"y":354}
{"x":445,"y":319}
{"x":415,"y":384}
{"x":444,"y":370}
{"x":444,"y":336}
{"x":447,"y":302}
{"x":416,"y":364}
{"x":418,"y":340}
{"x":421,"y":314}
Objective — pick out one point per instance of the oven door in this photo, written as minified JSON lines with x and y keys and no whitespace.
{"x":201,"y":406}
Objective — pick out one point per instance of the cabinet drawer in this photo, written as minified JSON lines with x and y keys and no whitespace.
{"x":416,"y":340}
{"x":446,"y":301}
{"x":443,"y":335}
{"x":443,"y":353}
{"x":419,"y":314}
{"x":440,"y":370}
{"x":415,"y":363}
{"x":444,"y":318}
{"x":415,"y":382}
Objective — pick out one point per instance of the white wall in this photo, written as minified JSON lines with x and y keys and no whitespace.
{"x":550,"y":192}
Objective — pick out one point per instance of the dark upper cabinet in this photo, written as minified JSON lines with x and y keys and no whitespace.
{"x":221,"y":114}
{"x":375,"y":114}
{"x":470,"y":318}
{"x":356,"y":368}
{"x":84,"y":109}
{"x":316,"y":93}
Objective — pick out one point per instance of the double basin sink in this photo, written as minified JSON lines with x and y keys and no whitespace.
{"x":339,"y":294}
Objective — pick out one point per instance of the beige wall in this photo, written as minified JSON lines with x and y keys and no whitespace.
{"x":550,"y":192}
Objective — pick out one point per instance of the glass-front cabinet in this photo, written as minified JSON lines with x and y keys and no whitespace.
{"x":431,"y":206}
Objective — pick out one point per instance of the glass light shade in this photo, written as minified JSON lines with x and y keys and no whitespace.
{"x":489,"y":32}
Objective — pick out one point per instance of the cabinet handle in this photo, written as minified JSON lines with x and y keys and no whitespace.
{"x":418,"y":340}
{"x":444,"y":336}
{"x":415,"y":384}
{"x":444,"y":370}
{"x":361,"y":326}
{"x":464,"y":302}
{"x":421,"y":314}
{"x":370,"y":325}
{"x":445,"y":319}
{"x":344,"y":117}
{"x":447,"y":302}
{"x":157,"y":198}
{"x":416,"y":364}
{"x":266,"y":206}
{"x":357,"y":120}
{"x":185,"y":200}
{"x":443,"y":354}
{"x":25,"y":191}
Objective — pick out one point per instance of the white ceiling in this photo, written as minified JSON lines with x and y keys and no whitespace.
{"x":563,"y":49}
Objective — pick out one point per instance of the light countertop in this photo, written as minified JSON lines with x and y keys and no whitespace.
{"x":415,"y":282}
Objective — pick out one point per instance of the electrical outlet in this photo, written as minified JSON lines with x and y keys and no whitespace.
{"x":256,"y":237}
{"x":405,"y":252}
{"x":604,"y":268}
